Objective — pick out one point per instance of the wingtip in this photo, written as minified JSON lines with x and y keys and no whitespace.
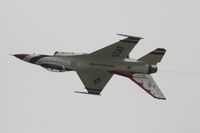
{"x":163,"y":98}
{"x":161,"y":49}
{"x":130,"y":36}
{"x":87,"y":93}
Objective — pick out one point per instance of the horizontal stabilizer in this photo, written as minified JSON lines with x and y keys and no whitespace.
{"x":146,"y":82}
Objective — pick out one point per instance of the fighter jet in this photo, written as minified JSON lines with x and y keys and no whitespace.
{"x":96,"y":69}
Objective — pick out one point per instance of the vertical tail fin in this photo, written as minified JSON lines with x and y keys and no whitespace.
{"x":153,"y":57}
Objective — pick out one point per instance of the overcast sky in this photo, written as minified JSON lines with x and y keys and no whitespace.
{"x":33,"y":100}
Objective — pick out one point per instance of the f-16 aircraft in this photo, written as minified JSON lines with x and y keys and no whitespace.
{"x":97,"y":68}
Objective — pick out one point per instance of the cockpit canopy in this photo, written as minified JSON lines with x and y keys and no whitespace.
{"x":58,"y":53}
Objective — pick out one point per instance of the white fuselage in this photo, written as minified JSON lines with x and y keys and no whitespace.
{"x":97,"y":68}
{"x":62,"y":63}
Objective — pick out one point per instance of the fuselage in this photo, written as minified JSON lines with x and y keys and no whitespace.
{"x":83,"y":62}
{"x":97,"y":68}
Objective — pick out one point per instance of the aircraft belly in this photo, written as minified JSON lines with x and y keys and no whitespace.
{"x":112,"y":66}
{"x":91,"y":65}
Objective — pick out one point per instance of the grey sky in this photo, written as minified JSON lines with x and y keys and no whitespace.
{"x":35,"y":100}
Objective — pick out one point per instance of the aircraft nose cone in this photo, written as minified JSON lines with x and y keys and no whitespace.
{"x":21,"y":56}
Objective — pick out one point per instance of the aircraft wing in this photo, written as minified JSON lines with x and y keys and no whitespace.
{"x":119,"y":50}
{"x":94,"y":81}
{"x":146,"y":82}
